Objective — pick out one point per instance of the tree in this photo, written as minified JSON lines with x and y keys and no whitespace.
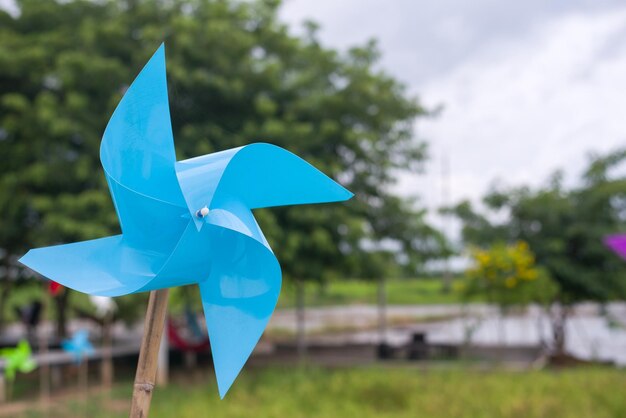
{"x":383,"y":260}
{"x":508,"y":277}
{"x":565,"y":230}
{"x":236,"y":75}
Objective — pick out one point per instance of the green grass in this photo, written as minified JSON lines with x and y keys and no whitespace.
{"x":379,"y":392}
{"x":422,"y":291}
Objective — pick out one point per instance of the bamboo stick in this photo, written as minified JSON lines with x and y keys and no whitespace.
{"x":147,"y":365}
{"x":163,"y":364}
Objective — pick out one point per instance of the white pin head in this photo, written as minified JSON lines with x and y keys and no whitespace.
{"x":202,"y":212}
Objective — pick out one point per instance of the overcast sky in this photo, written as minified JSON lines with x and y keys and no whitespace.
{"x":527,"y":87}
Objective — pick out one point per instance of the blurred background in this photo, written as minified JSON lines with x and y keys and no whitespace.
{"x":470,"y":275}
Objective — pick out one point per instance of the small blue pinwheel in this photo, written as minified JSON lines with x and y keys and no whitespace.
{"x":78,"y":346}
{"x":188,"y":222}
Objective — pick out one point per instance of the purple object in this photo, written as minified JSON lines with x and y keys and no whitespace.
{"x":617,"y":243}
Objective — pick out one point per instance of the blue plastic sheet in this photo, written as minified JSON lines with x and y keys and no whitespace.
{"x":78,"y":346}
{"x":188,"y":222}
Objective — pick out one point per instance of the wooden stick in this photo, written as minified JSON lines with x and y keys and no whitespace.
{"x":147,"y":365}
{"x":163,"y":363}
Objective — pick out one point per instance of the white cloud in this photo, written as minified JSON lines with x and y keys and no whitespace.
{"x":525,"y":107}
{"x":528,"y":88}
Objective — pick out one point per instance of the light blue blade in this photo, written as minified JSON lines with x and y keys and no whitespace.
{"x":138,"y":157}
{"x":190,"y":261}
{"x":257,"y":175}
{"x":235,"y":216}
{"x":79,"y":345}
{"x":240,"y":294}
{"x":137,"y":154}
{"x":263,"y":175}
{"x":137,"y":149}
{"x":105,"y":267}
{"x":198,"y":178}
{"x":148,"y":223}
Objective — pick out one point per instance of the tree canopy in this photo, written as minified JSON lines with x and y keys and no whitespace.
{"x":236,"y":75}
{"x":565,"y":227}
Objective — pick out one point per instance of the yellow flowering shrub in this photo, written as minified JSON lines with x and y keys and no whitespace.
{"x":507,"y":275}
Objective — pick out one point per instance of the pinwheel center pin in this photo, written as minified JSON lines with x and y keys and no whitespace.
{"x":201,"y":213}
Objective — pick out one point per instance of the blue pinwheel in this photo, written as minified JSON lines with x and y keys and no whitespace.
{"x":188,"y":222}
{"x":78,"y":346}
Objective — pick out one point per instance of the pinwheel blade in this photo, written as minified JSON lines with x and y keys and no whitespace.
{"x":198,"y":178}
{"x":138,"y":157}
{"x":23,"y":347}
{"x":27,"y":366}
{"x":257,"y":175}
{"x":79,"y":345}
{"x":617,"y":243}
{"x":148,"y":223}
{"x":263,"y":175}
{"x":104,"y":267}
{"x":189,"y":262}
{"x":238,"y":299}
{"x":137,"y":148}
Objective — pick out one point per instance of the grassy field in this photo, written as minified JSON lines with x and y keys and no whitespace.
{"x":377,"y":392}
{"x":422,"y":291}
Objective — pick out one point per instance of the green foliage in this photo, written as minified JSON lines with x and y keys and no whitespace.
{"x":564,"y":227}
{"x":372,"y":392}
{"x":404,"y":291}
{"x":18,"y":359}
{"x":236,"y":75}
{"x":507,"y":275}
